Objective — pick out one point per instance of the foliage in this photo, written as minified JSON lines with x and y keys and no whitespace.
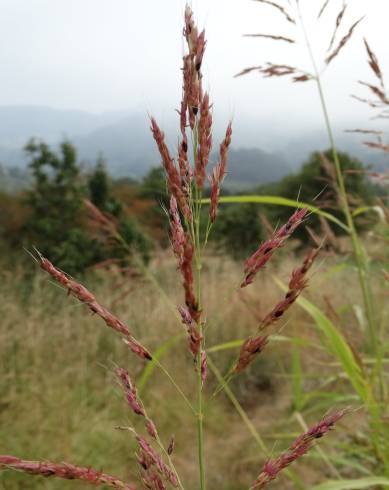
{"x":100,"y":190}
{"x":153,"y":186}
{"x":153,"y":189}
{"x":316,"y":184}
{"x":55,"y":225}
{"x":238,"y":229}
{"x":133,"y":239}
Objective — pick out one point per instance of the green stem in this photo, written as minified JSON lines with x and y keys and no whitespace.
{"x":200,"y":429}
{"x":238,"y":407}
{"x":209,"y":227}
{"x":250,"y":426}
{"x":200,"y":415}
{"x":196,"y":243}
{"x":166,"y":372}
{"x":357,"y":248}
{"x":359,"y":254}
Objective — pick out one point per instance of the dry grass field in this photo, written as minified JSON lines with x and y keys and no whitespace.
{"x":60,"y":400}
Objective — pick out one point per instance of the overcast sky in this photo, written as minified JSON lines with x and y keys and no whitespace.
{"x":113,"y":55}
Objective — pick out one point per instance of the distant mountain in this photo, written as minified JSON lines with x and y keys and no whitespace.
{"x":126,"y":145}
{"x":19,"y":123}
{"x":300,"y":147}
{"x":248,"y":167}
{"x":123,"y":138}
{"x":125,"y":142}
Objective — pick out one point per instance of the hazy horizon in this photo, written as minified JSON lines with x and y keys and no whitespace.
{"x":110,"y":66}
{"x":92,"y":57}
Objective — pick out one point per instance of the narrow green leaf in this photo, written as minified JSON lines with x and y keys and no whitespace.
{"x":233,"y":344}
{"x":365,"y":209}
{"x":336,"y":269}
{"x":151,"y":365}
{"x":338,"y":345}
{"x":297,"y":381}
{"x":279,"y":201}
{"x":356,"y":484}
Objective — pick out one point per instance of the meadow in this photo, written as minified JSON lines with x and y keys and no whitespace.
{"x":60,"y":400}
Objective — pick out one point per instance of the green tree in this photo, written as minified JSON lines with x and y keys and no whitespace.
{"x":315,"y":183}
{"x":134,"y":239}
{"x":153,"y":186}
{"x":238,"y":229}
{"x":55,"y":201}
{"x":100,"y":190}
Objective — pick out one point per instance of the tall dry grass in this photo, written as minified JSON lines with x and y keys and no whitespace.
{"x":60,"y":400}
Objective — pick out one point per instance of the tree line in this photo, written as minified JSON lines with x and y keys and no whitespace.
{"x":51,"y":215}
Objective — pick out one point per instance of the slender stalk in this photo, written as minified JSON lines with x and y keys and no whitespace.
{"x":200,"y":415}
{"x":161,"y":291}
{"x":196,"y":236}
{"x":162,"y":447}
{"x":200,"y":429}
{"x":357,"y":247}
{"x":298,"y":416}
{"x":238,"y":408}
{"x":179,"y":390}
{"x":250,"y":426}
{"x":360,"y":258}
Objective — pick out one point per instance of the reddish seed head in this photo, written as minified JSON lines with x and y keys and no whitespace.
{"x":186,"y":172}
{"x":170,"y":448}
{"x":219,"y":173}
{"x":172,"y":174}
{"x":151,"y":429}
{"x":249,"y":350}
{"x":86,"y":297}
{"x":254,"y":346}
{"x":185,"y":316}
{"x":176,"y":231}
{"x":300,"y":446}
{"x":190,"y":30}
{"x":298,"y":281}
{"x":5,"y":460}
{"x":149,"y":457}
{"x":194,"y":336}
{"x":203,"y":366}
{"x":318,"y":430}
{"x":188,"y":280}
{"x":258,"y":260}
{"x":205,"y":141}
{"x":107,"y":224}
{"x":192,"y":98}
{"x":137,"y":348}
{"x":65,"y":471}
{"x":130,"y":392}
{"x":200,"y":48}
{"x":184,"y":250}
